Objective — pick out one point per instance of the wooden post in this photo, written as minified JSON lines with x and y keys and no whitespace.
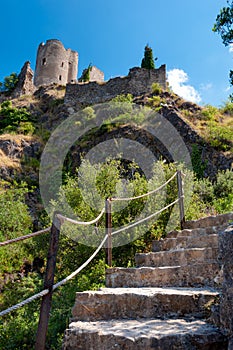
{"x":108,"y":228}
{"x":48,"y":284}
{"x":181,"y":198}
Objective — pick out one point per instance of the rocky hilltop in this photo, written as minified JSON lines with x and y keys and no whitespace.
{"x":200,"y":127}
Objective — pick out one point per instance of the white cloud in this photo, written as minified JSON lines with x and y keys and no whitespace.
{"x":206,"y":87}
{"x":177,"y":79}
{"x":231,"y":48}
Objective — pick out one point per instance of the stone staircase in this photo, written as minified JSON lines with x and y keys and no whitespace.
{"x":164,"y":303}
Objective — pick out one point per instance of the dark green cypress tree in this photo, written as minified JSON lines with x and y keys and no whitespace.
{"x":148,"y":59}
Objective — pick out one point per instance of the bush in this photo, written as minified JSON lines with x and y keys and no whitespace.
{"x":220,"y":137}
{"x":210,"y":112}
{"x":155,"y":101}
{"x":227,"y":108}
{"x":11,"y":117}
{"x":156,"y":89}
{"x":26,"y":128}
{"x":9,"y":83}
{"x":123,"y":98}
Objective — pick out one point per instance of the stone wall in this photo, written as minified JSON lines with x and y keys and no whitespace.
{"x":137,"y":82}
{"x":96,"y":74}
{"x":55,"y":64}
{"x":226,"y":303}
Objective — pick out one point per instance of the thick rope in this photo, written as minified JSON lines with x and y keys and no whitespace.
{"x":24,"y":302}
{"x":145,"y":194}
{"x":46,"y":291}
{"x":64,"y":218}
{"x":73,"y":274}
{"x":22,"y":238}
{"x":147,"y":218}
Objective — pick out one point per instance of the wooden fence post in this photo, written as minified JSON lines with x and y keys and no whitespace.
{"x":108,"y":228}
{"x":181,"y":198}
{"x":48,"y":284}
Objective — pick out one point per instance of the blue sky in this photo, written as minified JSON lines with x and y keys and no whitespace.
{"x":112,"y":35}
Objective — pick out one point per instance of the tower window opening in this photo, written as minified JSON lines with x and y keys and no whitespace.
{"x":44,"y":61}
{"x":62,"y":64}
{"x":59,"y":77}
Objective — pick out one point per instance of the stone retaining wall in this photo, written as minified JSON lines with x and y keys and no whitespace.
{"x":137,"y":82}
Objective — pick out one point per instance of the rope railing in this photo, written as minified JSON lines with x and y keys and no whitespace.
{"x":145,"y":194}
{"x":24,"y":302}
{"x":85,"y":223}
{"x":63,"y":218}
{"x":145,"y":219}
{"x":22,"y":238}
{"x":58,"y":220}
{"x":62,"y":282}
{"x":73,"y":274}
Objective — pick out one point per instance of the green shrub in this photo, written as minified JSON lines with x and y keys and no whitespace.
{"x":155,"y":101}
{"x":156,"y":88}
{"x":210,"y":112}
{"x":15,"y":221}
{"x":227,"y":108}
{"x":26,"y":128}
{"x":11,"y":117}
{"x":86,"y":74}
{"x":9,"y":83}
{"x":198,"y":165}
{"x":123,"y":98}
{"x":223,"y":186}
{"x":220,"y":137}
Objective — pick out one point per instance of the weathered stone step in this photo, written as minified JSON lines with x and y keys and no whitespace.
{"x":173,"y":276}
{"x":178,"y":257}
{"x":202,"y":241}
{"x":218,"y":220}
{"x":195,"y":231}
{"x":143,"y":334}
{"x":115,"y":303}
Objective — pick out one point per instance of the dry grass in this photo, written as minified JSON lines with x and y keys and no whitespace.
{"x":17,"y":138}
{"x":9,"y":162}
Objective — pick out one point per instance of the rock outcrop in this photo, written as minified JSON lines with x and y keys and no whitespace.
{"x":25,"y":85}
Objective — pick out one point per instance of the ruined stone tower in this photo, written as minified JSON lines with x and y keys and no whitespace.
{"x":55,"y":64}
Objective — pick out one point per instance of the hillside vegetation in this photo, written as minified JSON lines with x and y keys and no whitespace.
{"x":26,"y":124}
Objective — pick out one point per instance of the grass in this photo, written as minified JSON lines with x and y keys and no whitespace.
{"x":9,"y":162}
{"x":17,"y":138}
{"x":214,"y":125}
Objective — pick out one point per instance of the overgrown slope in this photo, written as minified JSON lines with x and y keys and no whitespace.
{"x":26,"y":124}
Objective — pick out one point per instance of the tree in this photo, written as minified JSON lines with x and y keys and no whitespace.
{"x":10,"y":82}
{"x":86,"y":74}
{"x":148,"y":60}
{"x":224,"y":22}
{"x":224,"y":27}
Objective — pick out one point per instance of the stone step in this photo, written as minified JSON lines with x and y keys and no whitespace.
{"x":196,"y":275}
{"x":143,"y":334}
{"x":195,"y":231}
{"x":218,"y":220}
{"x":185,"y":242}
{"x":178,"y":257}
{"x":116,"y":303}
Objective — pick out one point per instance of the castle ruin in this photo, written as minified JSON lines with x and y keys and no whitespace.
{"x":55,"y":64}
